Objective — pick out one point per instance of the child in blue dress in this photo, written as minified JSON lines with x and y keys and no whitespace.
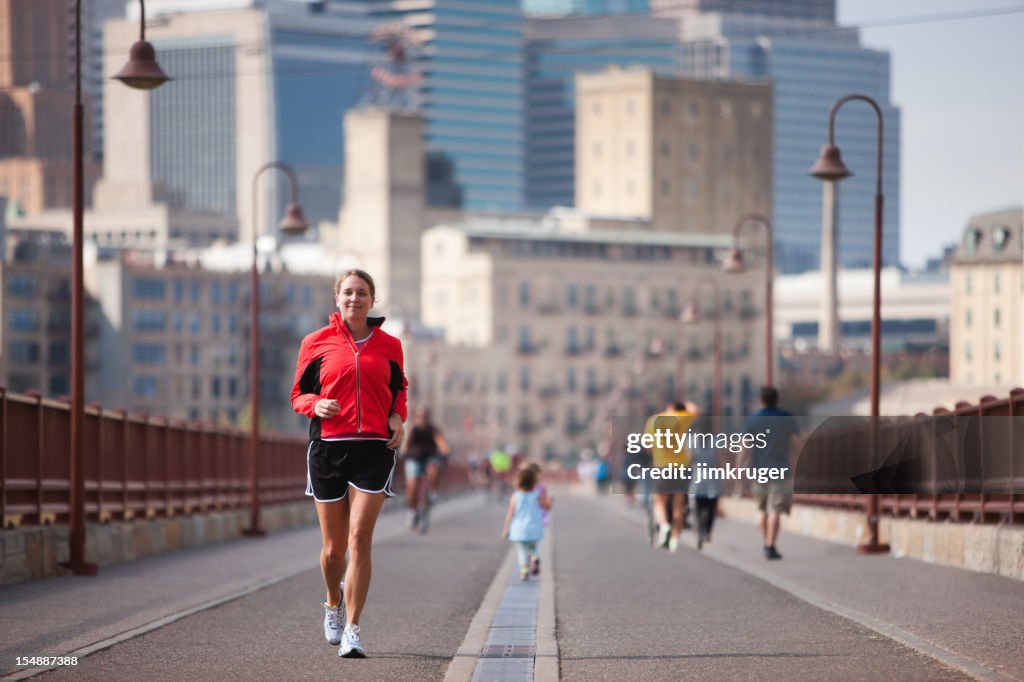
{"x":524,"y":523}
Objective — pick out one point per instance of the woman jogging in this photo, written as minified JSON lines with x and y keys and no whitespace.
{"x":349,"y":381}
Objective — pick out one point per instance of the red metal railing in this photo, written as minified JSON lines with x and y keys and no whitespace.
{"x":993,"y":469}
{"x":135,"y":465}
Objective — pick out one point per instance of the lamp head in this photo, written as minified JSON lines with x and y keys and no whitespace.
{"x":142,"y":72}
{"x":829,"y":165}
{"x":734,"y":262}
{"x":293,"y":222}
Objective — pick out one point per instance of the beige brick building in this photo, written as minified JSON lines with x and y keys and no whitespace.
{"x":987,"y":315}
{"x":35,"y":315}
{"x":552,"y":327}
{"x":175,"y":336}
{"x":689,"y":155}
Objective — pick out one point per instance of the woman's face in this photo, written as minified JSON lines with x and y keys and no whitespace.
{"x":354,"y":299}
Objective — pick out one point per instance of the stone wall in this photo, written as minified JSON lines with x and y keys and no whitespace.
{"x":985,"y":548}
{"x":34,"y":552}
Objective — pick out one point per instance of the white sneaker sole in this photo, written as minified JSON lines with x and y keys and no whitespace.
{"x":352,"y":653}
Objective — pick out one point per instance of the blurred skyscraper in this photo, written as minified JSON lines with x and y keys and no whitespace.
{"x":812,"y":62}
{"x":556,"y":48}
{"x":254,"y":81}
{"x":553,"y":8}
{"x":472,"y":95}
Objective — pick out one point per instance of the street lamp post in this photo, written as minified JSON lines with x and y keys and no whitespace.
{"x":143,"y":73}
{"x":734,"y":264}
{"x":692,"y":314}
{"x":830,"y":168}
{"x":293,"y":222}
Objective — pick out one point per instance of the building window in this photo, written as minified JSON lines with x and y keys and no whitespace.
{"x":146,"y":320}
{"x":666,"y":150}
{"x":145,"y":386}
{"x":997,"y":351}
{"x":22,"y":285}
{"x":24,"y":352}
{"x":570,"y":380}
{"x":148,"y":353}
{"x":995,"y":282}
{"x":665,"y":186}
{"x":968,"y":356}
{"x":570,"y":296}
{"x":524,"y":294}
{"x":693,"y":109}
{"x":23,"y":320}
{"x":693,"y":189}
{"x":693,"y":151}
{"x":215,"y":292}
{"x":967,"y":318}
{"x":666,"y":107}
{"x":524,"y":378}
{"x":967,"y":283}
{"x":995,"y":317}
{"x":1000,"y":235}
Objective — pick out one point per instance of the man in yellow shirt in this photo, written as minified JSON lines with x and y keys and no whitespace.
{"x":676,"y":418}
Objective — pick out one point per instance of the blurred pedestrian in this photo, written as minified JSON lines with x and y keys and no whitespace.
{"x":349,"y":381}
{"x":774,"y":497}
{"x":524,"y":522}
{"x":545,"y":512}
{"x":426,"y":451}
{"x":705,"y":490}
{"x":670,"y":503}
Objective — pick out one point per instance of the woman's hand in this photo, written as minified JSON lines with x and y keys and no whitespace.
{"x":325,"y":408}
{"x":397,"y":431}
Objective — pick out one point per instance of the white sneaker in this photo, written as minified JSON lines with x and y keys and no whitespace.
{"x":663,"y":535}
{"x":673,"y":544}
{"x":351,"y":647}
{"x":333,"y":623}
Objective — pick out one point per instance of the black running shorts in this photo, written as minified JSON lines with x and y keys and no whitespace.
{"x":334,"y":465}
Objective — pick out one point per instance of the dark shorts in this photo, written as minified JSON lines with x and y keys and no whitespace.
{"x":334,"y":465}
{"x":670,"y":486}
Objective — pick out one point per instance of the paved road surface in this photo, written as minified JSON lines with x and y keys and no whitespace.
{"x":623,"y":610}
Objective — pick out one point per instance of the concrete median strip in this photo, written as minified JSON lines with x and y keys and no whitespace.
{"x":513,"y":619}
{"x":908,"y":639}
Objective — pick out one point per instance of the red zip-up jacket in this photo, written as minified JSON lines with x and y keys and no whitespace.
{"x":370,"y":383}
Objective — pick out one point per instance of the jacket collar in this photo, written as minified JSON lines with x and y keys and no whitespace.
{"x":338,"y":325}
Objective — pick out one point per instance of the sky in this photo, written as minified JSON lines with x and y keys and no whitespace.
{"x":960,"y":85}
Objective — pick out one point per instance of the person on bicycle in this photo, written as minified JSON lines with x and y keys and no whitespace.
{"x":425,"y":451}
{"x":676,"y":418}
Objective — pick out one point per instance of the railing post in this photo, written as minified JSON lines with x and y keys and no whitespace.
{"x":3,"y":458}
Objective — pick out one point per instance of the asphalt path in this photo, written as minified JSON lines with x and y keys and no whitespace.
{"x":425,"y":591}
{"x":626,"y":611}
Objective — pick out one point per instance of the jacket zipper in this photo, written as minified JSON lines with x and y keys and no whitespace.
{"x":359,"y":409}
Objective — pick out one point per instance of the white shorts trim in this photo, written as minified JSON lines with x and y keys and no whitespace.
{"x":387,"y":484}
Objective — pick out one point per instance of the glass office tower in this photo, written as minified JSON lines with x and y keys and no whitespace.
{"x":471,"y":98}
{"x":812,"y":63}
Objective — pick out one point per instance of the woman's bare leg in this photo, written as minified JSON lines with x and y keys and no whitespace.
{"x":334,"y":529}
{"x":364,"y":508}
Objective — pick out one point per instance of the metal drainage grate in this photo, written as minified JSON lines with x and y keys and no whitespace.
{"x":509,"y":651}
